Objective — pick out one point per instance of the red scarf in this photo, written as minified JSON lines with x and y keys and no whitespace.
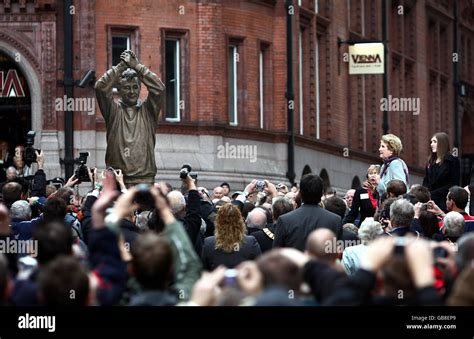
{"x":372,"y":199}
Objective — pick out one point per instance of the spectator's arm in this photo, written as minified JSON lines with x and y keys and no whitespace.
{"x":186,"y":262}
{"x":86,"y":221}
{"x":192,"y":220}
{"x":105,"y":259}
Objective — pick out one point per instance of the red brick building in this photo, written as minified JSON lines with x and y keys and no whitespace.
{"x":224,"y":64}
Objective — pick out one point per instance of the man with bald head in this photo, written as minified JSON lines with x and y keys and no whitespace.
{"x":322,"y":245}
{"x":256,"y":220}
{"x":218,"y":192}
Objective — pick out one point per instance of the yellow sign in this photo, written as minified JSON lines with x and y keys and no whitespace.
{"x":366,"y":58}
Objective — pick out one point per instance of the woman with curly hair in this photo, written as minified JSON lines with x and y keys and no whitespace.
{"x":229,"y":246}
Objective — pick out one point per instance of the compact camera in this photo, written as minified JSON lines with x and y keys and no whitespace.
{"x":260,"y":185}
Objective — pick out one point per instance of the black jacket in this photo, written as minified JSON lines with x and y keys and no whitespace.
{"x":211,"y":258}
{"x":360,"y":204}
{"x":265,"y":237}
{"x":293,"y":228}
{"x":440,"y":177}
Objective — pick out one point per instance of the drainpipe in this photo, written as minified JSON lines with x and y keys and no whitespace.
{"x":290,"y":96}
{"x":385,"y":125}
{"x":68,"y":91}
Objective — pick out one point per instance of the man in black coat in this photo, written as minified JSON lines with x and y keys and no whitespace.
{"x":293,"y":228}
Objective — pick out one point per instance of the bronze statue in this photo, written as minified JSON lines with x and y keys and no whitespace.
{"x":130,"y":123}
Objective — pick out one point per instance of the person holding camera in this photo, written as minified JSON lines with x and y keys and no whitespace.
{"x":186,"y":264}
{"x":188,"y":211}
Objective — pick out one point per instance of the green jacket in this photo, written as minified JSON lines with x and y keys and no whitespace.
{"x":187,"y":265}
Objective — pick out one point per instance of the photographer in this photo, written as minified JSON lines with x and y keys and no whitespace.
{"x":188,"y":211}
{"x":187,"y":267}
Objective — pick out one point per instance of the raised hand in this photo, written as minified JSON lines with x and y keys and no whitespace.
{"x":109,"y":193}
{"x":129,"y":58}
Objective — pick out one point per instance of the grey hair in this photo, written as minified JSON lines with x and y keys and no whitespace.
{"x":454,"y":224}
{"x":369,"y":230}
{"x":177,"y":201}
{"x":255,"y":221}
{"x":12,"y":169}
{"x":402,"y":213}
{"x":20,"y":210}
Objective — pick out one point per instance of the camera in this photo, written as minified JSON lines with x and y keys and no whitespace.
{"x":81,"y":172}
{"x":144,"y":198}
{"x":230,"y":277}
{"x":400,"y":243}
{"x":260,"y":185}
{"x":439,"y":252}
{"x":185,"y":170}
{"x":30,"y":151}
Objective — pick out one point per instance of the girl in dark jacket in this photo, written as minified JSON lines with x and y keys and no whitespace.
{"x":442,"y":170}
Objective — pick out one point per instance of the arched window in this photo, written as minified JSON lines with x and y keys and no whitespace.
{"x":306,"y":170}
{"x":356,"y":183}
{"x":326,"y":183}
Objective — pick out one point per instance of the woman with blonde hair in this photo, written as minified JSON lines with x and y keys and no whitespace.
{"x":230,"y":245}
{"x":365,"y":198}
{"x":393,"y":166}
{"x":442,"y":170}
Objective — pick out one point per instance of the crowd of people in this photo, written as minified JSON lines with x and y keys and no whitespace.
{"x":387,"y":242}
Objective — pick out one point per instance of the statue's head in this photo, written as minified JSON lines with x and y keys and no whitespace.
{"x":129,"y":87}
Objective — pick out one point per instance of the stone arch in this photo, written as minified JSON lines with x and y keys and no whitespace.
{"x":33,"y":81}
{"x":12,"y":44}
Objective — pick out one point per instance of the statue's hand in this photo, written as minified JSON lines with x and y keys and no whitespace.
{"x":130,"y":58}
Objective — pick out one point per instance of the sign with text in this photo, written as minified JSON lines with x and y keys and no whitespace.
{"x":366,"y":58}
